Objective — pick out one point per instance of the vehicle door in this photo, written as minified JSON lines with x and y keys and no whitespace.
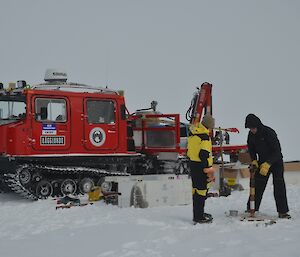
{"x":100,"y":124}
{"x":51,"y":124}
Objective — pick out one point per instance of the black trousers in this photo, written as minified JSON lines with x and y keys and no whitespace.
{"x":199,"y":182}
{"x":279,"y":188}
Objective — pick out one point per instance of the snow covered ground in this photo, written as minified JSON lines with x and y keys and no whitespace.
{"x":36,"y":229}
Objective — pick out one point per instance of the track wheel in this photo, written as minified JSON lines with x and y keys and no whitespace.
{"x":44,"y":189}
{"x":86,"y":185}
{"x":68,"y":186}
{"x":25,"y":176}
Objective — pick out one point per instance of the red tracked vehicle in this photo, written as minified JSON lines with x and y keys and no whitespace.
{"x":59,"y":138}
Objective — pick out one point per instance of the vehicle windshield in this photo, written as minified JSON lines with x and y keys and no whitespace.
{"x":12,"y":108}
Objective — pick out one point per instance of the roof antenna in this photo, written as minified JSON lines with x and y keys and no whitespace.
{"x":107,"y":69}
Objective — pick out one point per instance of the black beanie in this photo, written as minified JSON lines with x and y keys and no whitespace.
{"x":252,"y":121}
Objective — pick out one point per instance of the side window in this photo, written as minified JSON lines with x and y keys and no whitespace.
{"x":100,"y":111}
{"x":12,"y":110}
{"x":50,"y":110}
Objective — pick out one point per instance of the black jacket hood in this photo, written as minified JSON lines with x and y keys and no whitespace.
{"x":253,"y":121}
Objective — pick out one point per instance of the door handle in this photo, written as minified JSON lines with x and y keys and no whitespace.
{"x":31,"y":141}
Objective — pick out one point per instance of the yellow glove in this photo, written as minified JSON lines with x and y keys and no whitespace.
{"x":264,"y":168}
{"x":255,"y":164}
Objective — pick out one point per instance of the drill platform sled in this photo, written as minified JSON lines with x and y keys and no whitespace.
{"x":251,"y":215}
{"x":59,"y":138}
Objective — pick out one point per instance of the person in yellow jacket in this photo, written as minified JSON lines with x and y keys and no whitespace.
{"x":200,"y":160}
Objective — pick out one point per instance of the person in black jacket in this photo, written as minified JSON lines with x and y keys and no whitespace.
{"x":265,"y":151}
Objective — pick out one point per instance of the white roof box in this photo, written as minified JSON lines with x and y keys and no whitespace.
{"x":53,"y":75}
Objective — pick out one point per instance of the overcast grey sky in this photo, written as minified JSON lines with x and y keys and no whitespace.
{"x":161,"y":50}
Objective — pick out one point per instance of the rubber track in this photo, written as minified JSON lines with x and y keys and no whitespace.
{"x":12,"y":180}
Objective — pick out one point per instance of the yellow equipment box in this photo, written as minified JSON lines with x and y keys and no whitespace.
{"x":95,"y":194}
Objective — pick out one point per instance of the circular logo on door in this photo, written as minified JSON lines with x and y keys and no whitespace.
{"x":97,"y":136}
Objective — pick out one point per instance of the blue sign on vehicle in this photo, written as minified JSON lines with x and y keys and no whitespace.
{"x":49,"y":129}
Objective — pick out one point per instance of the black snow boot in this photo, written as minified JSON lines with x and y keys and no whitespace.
{"x":205,"y":219}
{"x":284,"y":216}
{"x":208,"y":215}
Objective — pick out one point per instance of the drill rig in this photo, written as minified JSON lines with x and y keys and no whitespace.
{"x":201,"y":104}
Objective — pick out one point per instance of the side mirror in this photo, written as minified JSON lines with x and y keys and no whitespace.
{"x":123,"y":112}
